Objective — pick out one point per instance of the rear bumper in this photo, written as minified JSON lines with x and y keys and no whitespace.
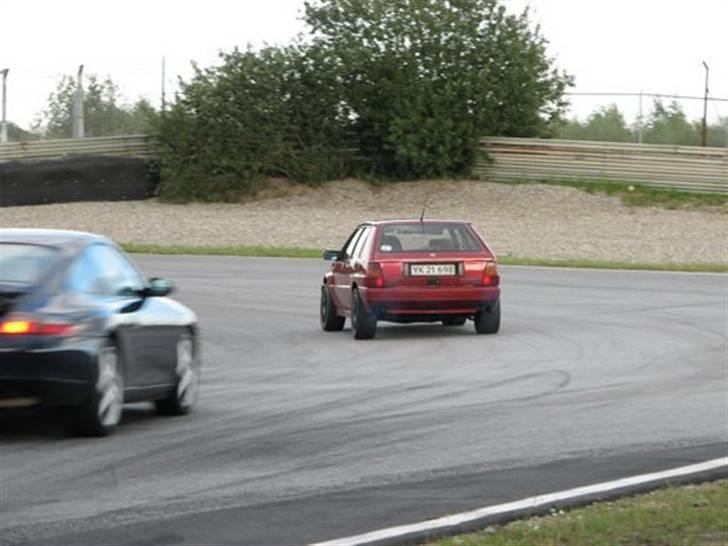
{"x":424,"y":301}
{"x":57,"y":378}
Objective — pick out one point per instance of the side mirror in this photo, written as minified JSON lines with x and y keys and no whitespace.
{"x":159,"y":287}
{"x":332,"y":255}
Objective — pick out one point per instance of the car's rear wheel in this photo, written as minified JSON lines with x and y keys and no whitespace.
{"x":487,"y":321}
{"x":363,"y":323}
{"x":101,"y":413}
{"x":454,"y":321}
{"x":330,"y":321}
{"x":187,"y":380}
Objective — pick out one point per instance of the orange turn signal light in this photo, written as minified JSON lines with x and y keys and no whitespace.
{"x":15,"y":327}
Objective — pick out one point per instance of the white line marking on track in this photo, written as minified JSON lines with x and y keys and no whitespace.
{"x":524,"y":504}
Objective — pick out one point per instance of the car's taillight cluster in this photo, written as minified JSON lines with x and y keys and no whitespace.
{"x":21,"y":326}
{"x":490,"y":274}
{"x":375,"y":278}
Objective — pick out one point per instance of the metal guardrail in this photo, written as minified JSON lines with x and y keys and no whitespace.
{"x":127,"y":145}
{"x":686,"y":168}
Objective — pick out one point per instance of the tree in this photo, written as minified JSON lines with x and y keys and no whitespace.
{"x":18,"y":134}
{"x":717,"y":133}
{"x":665,"y":125}
{"x":425,"y":79}
{"x":669,"y":125}
{"x":104,"y":114}
{"x":606,"y":124}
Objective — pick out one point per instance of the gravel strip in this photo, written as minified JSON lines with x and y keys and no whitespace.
{"x":533,"y":221}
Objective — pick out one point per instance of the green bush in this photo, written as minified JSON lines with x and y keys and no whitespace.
{"x":385,"y":88}
{"x":258,"y":114}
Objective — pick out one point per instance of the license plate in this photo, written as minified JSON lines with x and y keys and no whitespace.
{"x":431,"y":270}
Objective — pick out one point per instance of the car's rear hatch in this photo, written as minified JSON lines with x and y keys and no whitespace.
{"x":432,"y":254}
{"x":9,"y":294}
{"x":441,"y":270}
{"x":23,"y":267}
{"x":23,"y":270}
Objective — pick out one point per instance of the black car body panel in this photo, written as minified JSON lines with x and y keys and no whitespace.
{"x":62,"y":370}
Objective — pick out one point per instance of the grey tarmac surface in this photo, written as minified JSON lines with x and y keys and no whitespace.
{"x":303,"y":436}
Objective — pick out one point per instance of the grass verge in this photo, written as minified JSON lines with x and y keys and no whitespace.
{"x":253,"y":251}
{"x":635,"y":195}
{"x":693,"y":515}
{"x":295,"y":252}
{"x":603,"y":264}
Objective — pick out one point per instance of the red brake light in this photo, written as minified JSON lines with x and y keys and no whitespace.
{"x":375,"y":279}
{"x":55,"y":329}
{"x":490,"y":274}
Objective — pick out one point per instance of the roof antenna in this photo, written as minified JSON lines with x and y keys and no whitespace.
{"x":424,"y":206}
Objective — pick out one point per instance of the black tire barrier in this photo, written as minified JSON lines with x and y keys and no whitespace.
{"x":83,"y":178}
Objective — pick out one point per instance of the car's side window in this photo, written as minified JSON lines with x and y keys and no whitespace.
{"x":361,"y":243}
{"x":103,"y":271}
{"x":351,"y":243}
{"x":119,"y":274}
{"x":82,"y":274}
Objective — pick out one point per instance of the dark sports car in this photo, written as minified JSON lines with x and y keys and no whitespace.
{"x":81,"y":328}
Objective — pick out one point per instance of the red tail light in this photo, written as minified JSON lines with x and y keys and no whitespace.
{"x":375,"y":278}
{"x":18,"y":326}
{"x":56,"y":329}
{"x":490,"y":274}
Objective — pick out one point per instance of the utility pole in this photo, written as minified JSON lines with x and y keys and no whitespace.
{"x":77,"y":109}
{"x":704,"y":136}
{"x":164,"y":98}
{"x":639,"y":121}
{"x":4,"y":122}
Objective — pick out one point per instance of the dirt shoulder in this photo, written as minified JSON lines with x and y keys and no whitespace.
{"x":525,"y":221}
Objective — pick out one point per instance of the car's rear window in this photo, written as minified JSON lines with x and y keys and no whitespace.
{"x":428,"y":237}
{"x":24,"y":263}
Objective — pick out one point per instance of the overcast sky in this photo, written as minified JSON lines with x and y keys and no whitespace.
{"x":655,"y":46}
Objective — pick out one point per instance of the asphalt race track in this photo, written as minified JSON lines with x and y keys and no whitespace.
{"x":303,"y":436}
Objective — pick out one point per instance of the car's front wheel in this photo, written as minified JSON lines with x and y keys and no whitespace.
{"x":363,"y":323}
{"x":330,"y":321}
{"x":487,"y":321}
{"x":187,"y":380}
{"x":101,"y":413}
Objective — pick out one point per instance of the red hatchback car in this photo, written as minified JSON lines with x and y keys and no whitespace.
{"x":411,"y":271}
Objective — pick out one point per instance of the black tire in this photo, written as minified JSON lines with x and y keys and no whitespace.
{"x":187,"y":380}
{"x":100,"y":414}
{"x":363,"y":324}
{"x":330,"y":321}
{"x":454,"y":321}
{"x":487,"y":321}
